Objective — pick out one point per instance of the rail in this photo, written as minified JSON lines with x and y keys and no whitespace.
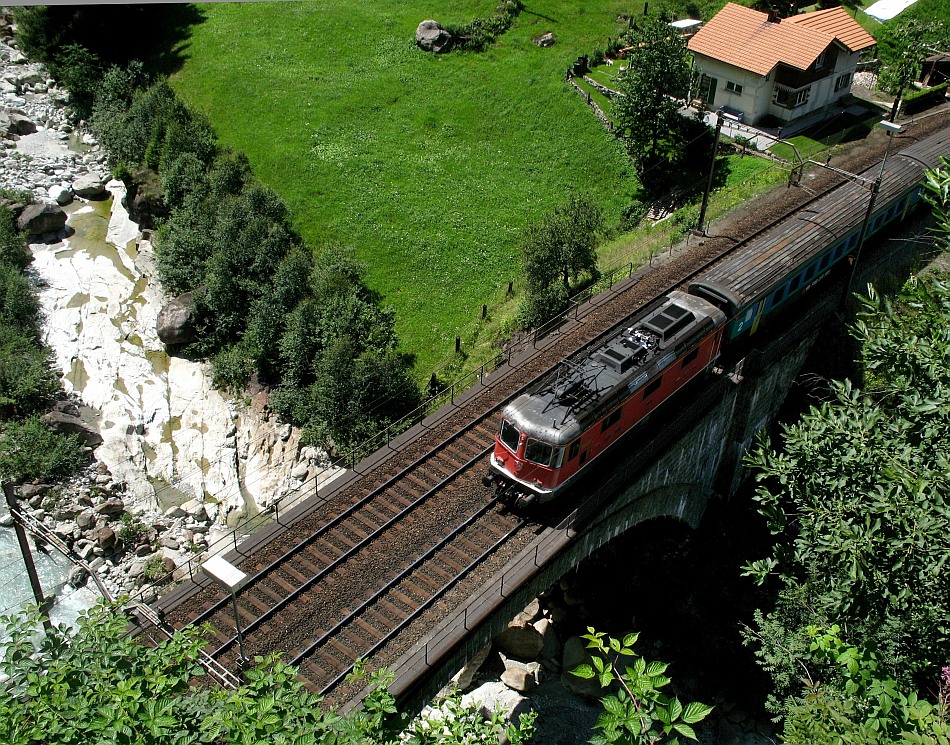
{"x":449,"y":394}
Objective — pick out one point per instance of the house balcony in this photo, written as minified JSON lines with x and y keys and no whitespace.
{"x":790,"y":98}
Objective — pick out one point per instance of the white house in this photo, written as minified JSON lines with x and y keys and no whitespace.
{"x":754,"y":64}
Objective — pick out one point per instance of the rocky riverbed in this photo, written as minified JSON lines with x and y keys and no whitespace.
{"x":176,"y":463}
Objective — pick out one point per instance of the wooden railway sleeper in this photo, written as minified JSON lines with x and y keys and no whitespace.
{"x":339,"y":560}
{"x":407,"y":571}
{"x":379,"y":645}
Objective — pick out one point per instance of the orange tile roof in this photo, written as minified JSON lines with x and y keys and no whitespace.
{"x":746,"y":39}
{"x":837,"y":23}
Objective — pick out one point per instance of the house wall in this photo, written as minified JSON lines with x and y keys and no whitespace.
{"x":755,"y":100}
{"x":756,"y":90}
{"x":822,"y":94}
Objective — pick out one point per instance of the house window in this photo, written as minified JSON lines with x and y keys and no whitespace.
{"x":820,"y":62}
{"x":733,"y":87}
{"x":802,"y":96}
{"x":842,"y":81}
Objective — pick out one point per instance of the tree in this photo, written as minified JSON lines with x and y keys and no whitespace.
{"x":858,"y":494}
{"x":638,"y":713}
{"x":555,"y":252}
{"x":656,"y":76}
{"x":81,"y":72}
{"x":903,"y":48}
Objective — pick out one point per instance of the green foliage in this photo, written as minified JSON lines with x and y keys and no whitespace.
{"x":938,"y":195}
{"x":30,"y":450}
{"x":639,"y":712}
{"x":149,"y":126}
{"x":865,"y":707}
{"x":27,"y":382}
{"x":937,"y":92}
{"x":646,"y":111}
{"x":556,"y":250}
{"x":858,"y":494}
{"x":562,"y":245}
{"x":232,"y":368}
{"x":97,"y":685}
{"x":132,"y":530}
{"x":456,"y":722}
{"x":81,"y":72}
{"x":480,"y":33}
{"x":13,"y":250}
{"x":902,"y":46}
{"x":539,"y":307}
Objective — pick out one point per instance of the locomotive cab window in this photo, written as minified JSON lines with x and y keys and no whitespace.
{"x":509,"y":435}
{"x":572,"y":452}
{"x":538,"y":452}
{"x":690,"y":358}
{"x":653,"y":387}
{"x":611,"y":419}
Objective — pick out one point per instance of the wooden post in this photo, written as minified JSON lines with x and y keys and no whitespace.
{"x":28,"y":558}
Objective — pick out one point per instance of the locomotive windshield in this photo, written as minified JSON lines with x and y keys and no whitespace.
{"x":543,"y":454}
{"x":509,"y":435}
{"x":538,"y":452}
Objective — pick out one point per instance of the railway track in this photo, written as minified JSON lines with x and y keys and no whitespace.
{"x":369,"y":571}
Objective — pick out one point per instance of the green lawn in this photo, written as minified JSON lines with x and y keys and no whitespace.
{"x":429,"y":166}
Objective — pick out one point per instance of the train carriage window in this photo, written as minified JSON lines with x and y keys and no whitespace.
{"x":611,"y":419}
{"x":653,"y":387}
{"x":777,"y":297}
{"x":509,"y":435}
{"x":691,"y":357}
{"x":823,"y":263}
{"x":538,"y":452}
{"x":572,"y":452}
{"x":796,"y":283}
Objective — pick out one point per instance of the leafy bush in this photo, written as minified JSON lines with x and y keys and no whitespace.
{"x":30,"y":450}
{"x":80,"y":71}
{"x":480,"y":33}
{"x":636,"y":710}
{"x":537,"y":308}
{"x":27,"y":382}
{"x":132,"y":530}
{"x":96,"y":684}
{"x":232,"y":368}
{"x":13,"y":250}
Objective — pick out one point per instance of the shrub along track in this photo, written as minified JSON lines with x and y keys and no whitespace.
{"x":398,"y":544}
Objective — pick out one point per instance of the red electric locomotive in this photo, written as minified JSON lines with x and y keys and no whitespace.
{"x":555,"y":431}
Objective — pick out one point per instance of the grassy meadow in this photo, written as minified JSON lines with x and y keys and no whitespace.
{"x":428,"y":166}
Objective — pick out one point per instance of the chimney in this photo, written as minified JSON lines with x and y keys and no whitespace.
{"x":773,"y":15}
